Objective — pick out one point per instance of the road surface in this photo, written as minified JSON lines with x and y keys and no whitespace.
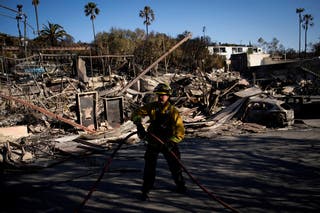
{"x":275,"y":171}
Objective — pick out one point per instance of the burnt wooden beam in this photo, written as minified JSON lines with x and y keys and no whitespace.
{"x":154,"y":64}
{"x":48,"y":113}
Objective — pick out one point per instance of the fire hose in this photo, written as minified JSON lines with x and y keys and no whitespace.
{"x":211,"y":195}
{"x":109,"y":160}
{"x":105,"y":168}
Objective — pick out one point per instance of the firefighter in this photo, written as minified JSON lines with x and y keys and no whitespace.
{"x":165,"y":123}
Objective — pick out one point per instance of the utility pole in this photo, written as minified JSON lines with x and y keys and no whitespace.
{"x":204,"y":33}
{"x":20,"y":13}
{"x":24,"y":43}
{"x":18,"y":18}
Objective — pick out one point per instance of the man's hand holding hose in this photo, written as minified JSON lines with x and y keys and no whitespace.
{"x":142,"y":134}
{"x":141,"y":131}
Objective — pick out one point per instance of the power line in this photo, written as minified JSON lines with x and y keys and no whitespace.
{"x":16,"y":11}
{"x":5,"y":15}
{"x":8,"y":8}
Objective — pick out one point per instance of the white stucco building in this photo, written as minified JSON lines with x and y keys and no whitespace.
{"x":255,"y":58}
{"x":227,"y":51}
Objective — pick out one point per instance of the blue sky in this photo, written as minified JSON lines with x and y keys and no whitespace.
{"x":225,"y":21}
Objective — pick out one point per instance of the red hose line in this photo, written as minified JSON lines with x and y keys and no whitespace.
{"x":214,"y":197}
{"x":108,"y":163}
{"x":103,"y":171}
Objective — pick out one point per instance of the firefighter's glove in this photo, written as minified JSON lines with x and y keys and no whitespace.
{"x":169,"y":145}
{"x":141,"y":131}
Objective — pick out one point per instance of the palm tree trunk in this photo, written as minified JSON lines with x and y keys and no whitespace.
{"x":94,"y":37}
{"x":147,"y":31}
{"x":305,"y":42}
{"x":94,"y":31}
{"x":299,"y":34}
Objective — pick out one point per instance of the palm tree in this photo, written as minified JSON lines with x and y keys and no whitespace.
{"x":92,"y":10}
{"x":53,"y":33}
{"x":299,"y":11}
{"x":307,"y":21}
{"x":35,"y":3}
{"x":148,"y":14}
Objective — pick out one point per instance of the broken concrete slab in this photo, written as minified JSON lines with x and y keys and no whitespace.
{"x":13,"y":133}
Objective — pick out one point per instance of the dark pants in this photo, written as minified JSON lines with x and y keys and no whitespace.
{"x":151,"y":157}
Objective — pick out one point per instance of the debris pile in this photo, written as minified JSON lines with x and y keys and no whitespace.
{"x":48,"y":114}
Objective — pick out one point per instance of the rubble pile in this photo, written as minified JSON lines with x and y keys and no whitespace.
{"x":62,"y":112}
{"x":297,"y":78}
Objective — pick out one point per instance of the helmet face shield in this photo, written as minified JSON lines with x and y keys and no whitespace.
{"x":163,"y":89}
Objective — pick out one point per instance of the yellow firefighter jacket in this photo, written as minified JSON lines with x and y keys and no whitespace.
{"x":165,"y":121}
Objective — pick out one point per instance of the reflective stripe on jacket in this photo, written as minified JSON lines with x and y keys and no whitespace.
{"x":165,"y":121}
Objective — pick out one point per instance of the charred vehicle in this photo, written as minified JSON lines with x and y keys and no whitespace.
{"x":268,"y":111}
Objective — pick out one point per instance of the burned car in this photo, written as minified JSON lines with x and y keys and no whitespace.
{"x":268,"y":111}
